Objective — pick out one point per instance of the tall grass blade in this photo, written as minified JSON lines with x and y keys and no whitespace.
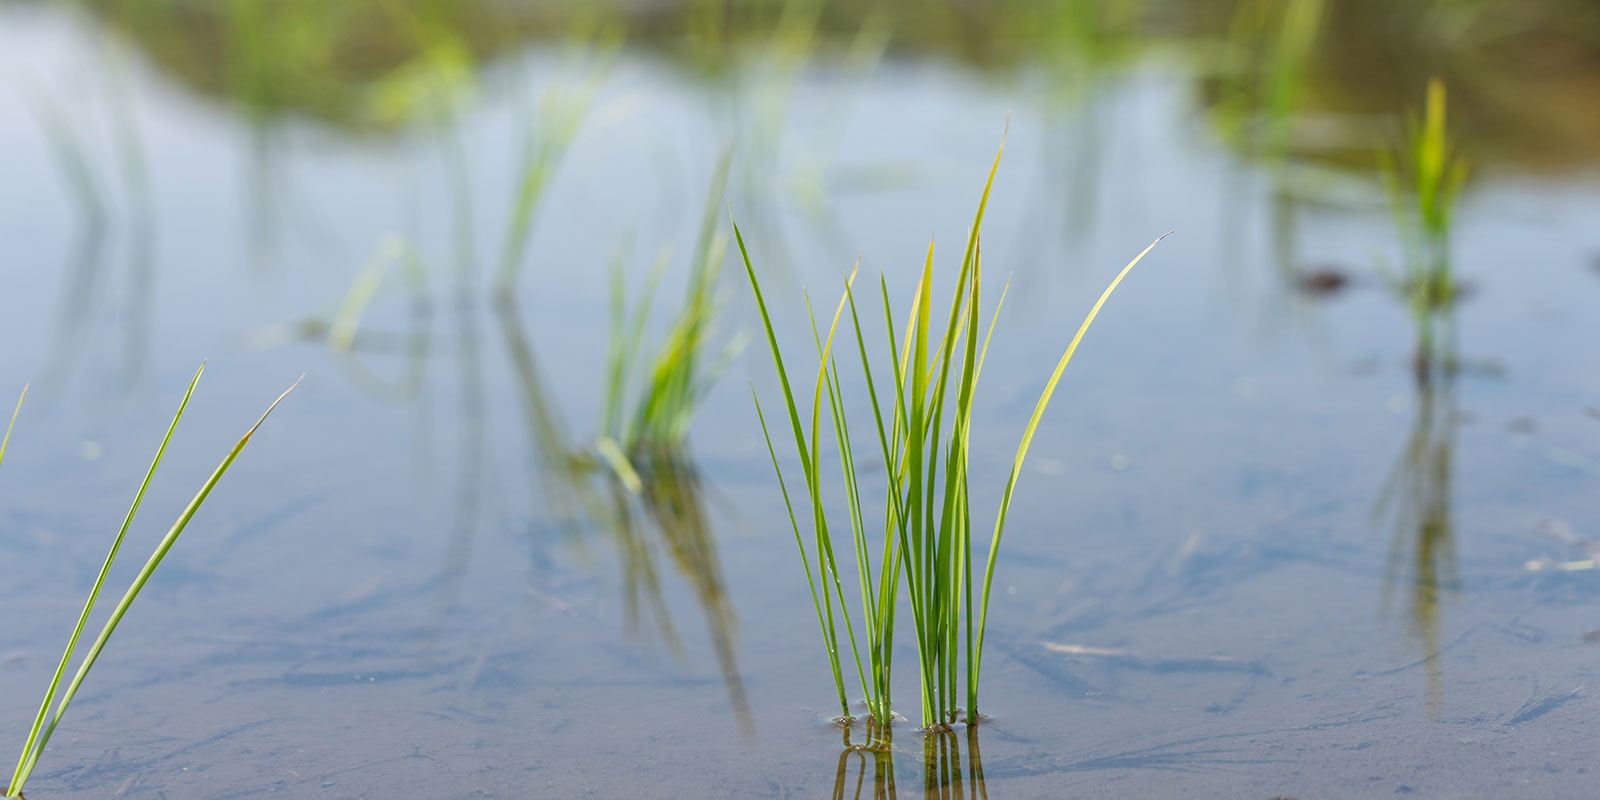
{"x":1016,"y":469}
{"x":39,"y":736}
{"x":6,"y":440}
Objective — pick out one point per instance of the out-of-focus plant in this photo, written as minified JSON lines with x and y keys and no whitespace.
{"x":1424,"y":177}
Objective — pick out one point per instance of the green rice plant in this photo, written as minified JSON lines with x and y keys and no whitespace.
{"x":682,"y":370}
{"x":1424,"y":179}
{"x":45,"y":722}
{"x":923,"y":426}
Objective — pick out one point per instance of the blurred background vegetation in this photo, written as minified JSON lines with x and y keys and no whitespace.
{"x":1524,"y":76}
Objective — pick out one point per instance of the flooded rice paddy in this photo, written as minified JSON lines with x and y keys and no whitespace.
{"x":1254,"y":553}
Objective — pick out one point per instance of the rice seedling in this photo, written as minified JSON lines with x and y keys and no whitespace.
{"x":923,"y":426}
{"x":681,"y":371}
{"x":1424,"y":179}
{"x":45,"y":722}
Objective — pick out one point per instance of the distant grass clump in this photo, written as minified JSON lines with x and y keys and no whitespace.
{"x":1424,"y":179}
{"x":45,"y":722}
{"x":678,"y":373}
{"x":922,"y":416}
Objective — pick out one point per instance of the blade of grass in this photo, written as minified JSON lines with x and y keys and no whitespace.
{"x":6,"y":441}
{"x":1016,"y":469}
{"x":33,"y":745}
{"x":31,"y":756}
{"x":807,"y":467}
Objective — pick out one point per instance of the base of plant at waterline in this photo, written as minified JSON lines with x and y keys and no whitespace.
{"x":1439,"y":293}
{"x":958,"y":718}
{"x":880,"y":738}
{"x":7,"y":794}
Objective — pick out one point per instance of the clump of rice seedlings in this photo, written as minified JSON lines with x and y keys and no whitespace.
{"x":1424,"y":179}
{"x":681,"y":371}
{"x":922,"y":417}
{"x":57,"y":699}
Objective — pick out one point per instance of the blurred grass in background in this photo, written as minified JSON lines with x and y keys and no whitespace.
{"x":1524,"y":77}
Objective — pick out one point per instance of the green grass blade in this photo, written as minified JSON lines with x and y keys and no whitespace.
{"x":827,"y":562}
{"x":777,"y":355}
{"x":1022,"y":454}
{"x":6,"y":441}
{"x":35,"y":742}
{"x":807,"y":462}
{"x":805,"y":561}
{"x":141,"y":578}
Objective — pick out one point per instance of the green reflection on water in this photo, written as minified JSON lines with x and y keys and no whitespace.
{"x":869,"y":772}
{"x":1304,"y":76}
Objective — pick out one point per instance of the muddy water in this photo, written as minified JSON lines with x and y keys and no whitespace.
{"x":1252,"y":555}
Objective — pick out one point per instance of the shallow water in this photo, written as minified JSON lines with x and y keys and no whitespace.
{"x":397,"y":590}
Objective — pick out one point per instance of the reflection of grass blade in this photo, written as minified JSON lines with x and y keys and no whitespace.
{"x":39,"y":736}
{"x":71,"y":157}
{"x":555,"y":124}
{"x":1415,"y":502}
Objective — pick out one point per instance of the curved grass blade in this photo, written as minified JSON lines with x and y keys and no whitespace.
{"x":807,"y":466}
{"x":36,"y":748}
{"x":1016,"y":469}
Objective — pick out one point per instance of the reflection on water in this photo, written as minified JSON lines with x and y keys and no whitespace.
{"x":1416,"y":499}
{"x":664,"y":511}
{"x":87,"y":275}
{"x":1302,"y":75}
{"x":946,"y":774}
{"x":653,"y":511}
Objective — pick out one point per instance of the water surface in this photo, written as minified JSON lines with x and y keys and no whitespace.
{"x":1251,"y":556}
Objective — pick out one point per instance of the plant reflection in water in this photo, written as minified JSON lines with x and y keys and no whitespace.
{"x":944,"y":776}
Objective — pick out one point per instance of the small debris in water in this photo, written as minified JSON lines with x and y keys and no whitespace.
{"x":1321,"y":282}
